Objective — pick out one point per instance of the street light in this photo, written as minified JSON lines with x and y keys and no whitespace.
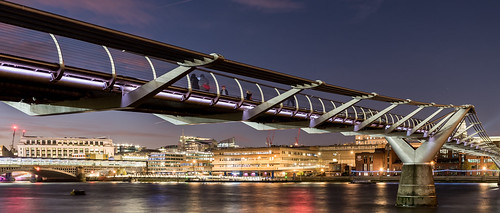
{"x":14,"y":127}
{"x":194,"y":171}
{"x":432,"y":167}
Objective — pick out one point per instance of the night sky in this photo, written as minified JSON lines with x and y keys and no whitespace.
{"x":446,"y":52}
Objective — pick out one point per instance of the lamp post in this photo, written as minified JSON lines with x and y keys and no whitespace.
{"x":194,"y":171}
{"x":432,"y":165}
{"x":14,"y":127}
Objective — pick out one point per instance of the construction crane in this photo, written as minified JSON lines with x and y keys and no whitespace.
{"x":269,"y":140}
{"x":297,"y":138}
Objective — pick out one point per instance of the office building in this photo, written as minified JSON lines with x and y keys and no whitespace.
{"x":196,"y":144}
{"x":367,"y":139}
{"x":64,"y":147}
{"x":274,"y":161}
{"x":175,"y":163}
{"x":228,"y":143}
{"x":127,"y":148}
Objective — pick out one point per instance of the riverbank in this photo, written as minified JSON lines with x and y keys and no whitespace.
{"x":374,"y":179}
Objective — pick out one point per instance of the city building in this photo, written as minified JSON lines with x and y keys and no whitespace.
{"x":180,"y":163}
{"x":126,"y":148}
{"x":166,"y":163}
{"x":132,"y":156}
{"x":200,"y":162}
{"x":228,"y":143}
{"x":479,"y":165}
{"x":341,"y":154}
{"x":196,"y":144}
{"x":369,"y":162}
{"x":94,"y":156}
{"x":367,"y":139}
{"x":64,"y":147}
{"x":169,"y":148}
{"x":274,"y":161}
{"x":4,"y":152}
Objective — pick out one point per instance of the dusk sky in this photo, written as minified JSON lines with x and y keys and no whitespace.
{"x":446,"y":52}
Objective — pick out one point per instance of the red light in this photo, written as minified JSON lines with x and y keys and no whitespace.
{"x":24,"y":130}
{"x":14,"y":127}
{"x":37,"y":169}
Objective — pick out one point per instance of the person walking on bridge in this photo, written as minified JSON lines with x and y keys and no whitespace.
{"x":194,"y":81}
{"x":223,"y":91}
{"x":205,"y":85}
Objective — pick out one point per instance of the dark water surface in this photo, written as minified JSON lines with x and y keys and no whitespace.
{"x":236,"y":197}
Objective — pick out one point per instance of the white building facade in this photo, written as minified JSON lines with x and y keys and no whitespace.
{"x":64,"y":147}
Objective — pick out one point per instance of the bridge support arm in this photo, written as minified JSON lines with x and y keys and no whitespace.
{"x":377,"y":116}
{"x":323,"y":118}
{"x":463,"y":131}
{"x":438,"y":125}
{"x":405,"y":151}
{"x":427,"y":150}
{"x":138,"y":96}
{"x":264,"y":107}
{"x":394,"y":126}
{"x":472,"y":135}
{"x":422,"y":123}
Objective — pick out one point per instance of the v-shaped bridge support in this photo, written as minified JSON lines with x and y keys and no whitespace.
{"x":416,"y":185}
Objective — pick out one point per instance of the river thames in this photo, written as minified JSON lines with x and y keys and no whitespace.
{"x":236,"y":197}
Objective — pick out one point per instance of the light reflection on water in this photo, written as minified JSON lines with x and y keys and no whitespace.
{"x":236,"y":197}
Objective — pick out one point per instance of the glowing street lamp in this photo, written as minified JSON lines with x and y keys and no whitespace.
{"x":14,"y":127}
{"x":432,"y":166}
{"x":194,"y":164}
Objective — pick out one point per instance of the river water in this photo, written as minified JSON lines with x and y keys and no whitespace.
{"x":236,"y":197}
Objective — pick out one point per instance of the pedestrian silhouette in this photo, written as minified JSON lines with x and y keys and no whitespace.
{"x":223,"y":91}
{"x":249,"y":95}
{"x":194,"y":81}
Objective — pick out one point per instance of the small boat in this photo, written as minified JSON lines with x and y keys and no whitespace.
{"x":77,"y":192}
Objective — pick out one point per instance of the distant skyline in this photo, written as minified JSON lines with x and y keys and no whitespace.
{"x":433,"y":51}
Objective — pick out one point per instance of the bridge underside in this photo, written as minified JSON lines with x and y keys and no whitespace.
{"x":43,"y":87}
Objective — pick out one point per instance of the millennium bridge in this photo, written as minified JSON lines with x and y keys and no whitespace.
{"x":51,"y":65}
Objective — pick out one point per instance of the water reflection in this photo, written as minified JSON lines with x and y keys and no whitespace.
{"x":381,"y":194}
{"x":235,"y":197}
{"x":301,"y":199}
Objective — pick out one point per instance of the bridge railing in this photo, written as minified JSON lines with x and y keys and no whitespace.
{"x":70,"y":52}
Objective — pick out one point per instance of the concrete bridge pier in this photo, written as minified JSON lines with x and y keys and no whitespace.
{"x":416,"y":186}
{"x":497,"y":162}
{"x":80,"y":174}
